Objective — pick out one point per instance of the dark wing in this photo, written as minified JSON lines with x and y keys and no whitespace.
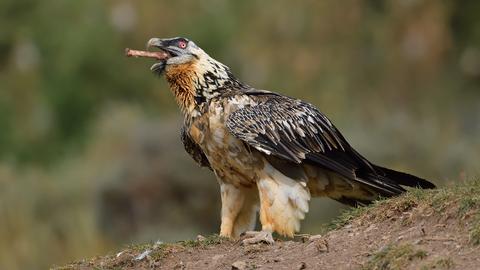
{"x":193,"y":149}
{"x":298,"y":132}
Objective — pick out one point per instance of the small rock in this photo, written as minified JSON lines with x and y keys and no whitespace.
{"x":301,"y":237}
{"x":143,"y":255}
{"x":201,"y":238}
{"x":179,"y":266}
{"x":217,"y":257}
{"x":315,"y":237}
{"x":239,"y":265}
{"x":120,"y":253}
{"x":319,"y":245}
{"x":302,"y":266}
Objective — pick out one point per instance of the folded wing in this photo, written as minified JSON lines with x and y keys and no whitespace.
{"x":297,"y":132}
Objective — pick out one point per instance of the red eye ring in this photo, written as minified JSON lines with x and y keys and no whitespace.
{"x":182,"y":44}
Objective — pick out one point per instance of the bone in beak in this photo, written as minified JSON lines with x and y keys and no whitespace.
{"x":160,"y":55}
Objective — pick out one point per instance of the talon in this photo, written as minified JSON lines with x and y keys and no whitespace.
{"x":258,"y":237}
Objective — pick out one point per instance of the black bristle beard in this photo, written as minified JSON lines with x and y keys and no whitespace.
{"x":159,"y":68}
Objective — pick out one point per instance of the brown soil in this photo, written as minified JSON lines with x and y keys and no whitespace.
{"x":423,"y":230}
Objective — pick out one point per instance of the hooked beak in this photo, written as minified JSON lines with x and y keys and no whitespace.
{"x":162,"y":44}
{"x":158,"y":43}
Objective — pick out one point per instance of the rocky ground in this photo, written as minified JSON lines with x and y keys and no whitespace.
{"x":435,"y":229}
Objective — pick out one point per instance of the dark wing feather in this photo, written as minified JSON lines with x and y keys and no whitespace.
{"x":296,"y":131}
{"x":193,"y":149}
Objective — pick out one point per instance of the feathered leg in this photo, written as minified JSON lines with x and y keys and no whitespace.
{"x":283,"y":203}
{"x":247,"y":217}
{"x":239,"y":207}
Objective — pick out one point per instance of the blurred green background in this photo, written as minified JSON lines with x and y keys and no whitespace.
{"x":90,"y":155}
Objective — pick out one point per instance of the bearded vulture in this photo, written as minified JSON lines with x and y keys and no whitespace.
{"x":270,"y":153}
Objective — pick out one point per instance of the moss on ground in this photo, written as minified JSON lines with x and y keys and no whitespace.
{"x":475,"y":231}
{"x":394,"y":257}
{"x":213,"y":239}
{"x":443,"y":263}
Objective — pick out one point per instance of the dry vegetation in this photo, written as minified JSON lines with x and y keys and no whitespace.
{"x":423,"y":229}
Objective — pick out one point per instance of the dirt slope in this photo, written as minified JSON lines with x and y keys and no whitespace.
{"x":437,"y":229}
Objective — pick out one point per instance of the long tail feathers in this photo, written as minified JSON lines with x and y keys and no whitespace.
{"x":385,"y":183}
{"x":405,"y":179}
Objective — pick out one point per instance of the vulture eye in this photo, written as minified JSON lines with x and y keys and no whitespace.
{"x":182,"y":44}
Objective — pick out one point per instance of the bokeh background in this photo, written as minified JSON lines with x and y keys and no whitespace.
{"x":90,"y":156}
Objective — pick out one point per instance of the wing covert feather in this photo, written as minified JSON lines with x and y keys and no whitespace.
{"x":285,"y":127}
{"x":298,"y":132}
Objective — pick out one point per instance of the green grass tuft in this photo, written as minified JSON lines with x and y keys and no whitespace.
{"x":346,"y":217}
{"x":394,"y":257}
{"x":475,"y":231}
{"x":140,"y":247}
{"x":443,"y":263}
{"x":157,"y":250}
{"x":213,"y":239}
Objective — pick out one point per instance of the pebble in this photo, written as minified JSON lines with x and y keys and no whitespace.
{"x":239,"y":265}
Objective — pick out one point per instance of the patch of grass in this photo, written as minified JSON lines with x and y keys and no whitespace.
{"x":378,"y":210}
{"x":213,"y":239}
{"x":475,"y":231}
{"x":399,"y":206}
{"x":189,"y":243}
{"x":467,"y":204}
{"x":346,"y":217}
{"x":157,"y":250}
{"x":158,"y":253}
{"x":394,"y":257}
{"x":464,"y":197}
{"x":443,"y":263}
{"x":140,"y":247}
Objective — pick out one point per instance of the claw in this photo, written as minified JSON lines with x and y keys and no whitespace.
{"x":253,"y":237}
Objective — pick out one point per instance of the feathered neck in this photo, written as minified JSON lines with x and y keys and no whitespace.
{"x":196,"y":82}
